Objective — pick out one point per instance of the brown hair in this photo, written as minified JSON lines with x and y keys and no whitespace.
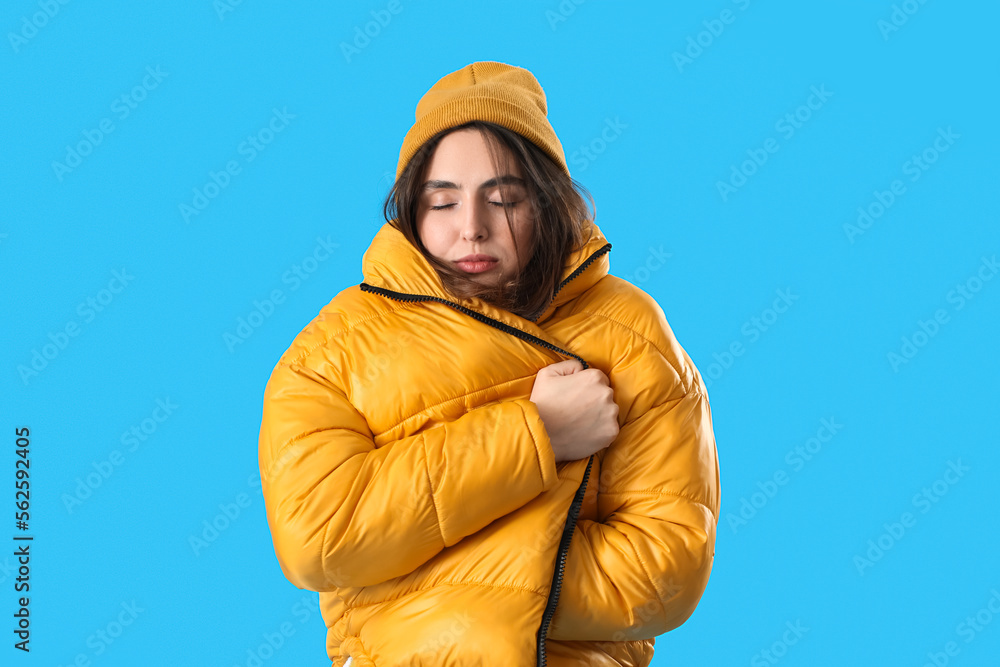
{"x":560,"y":216}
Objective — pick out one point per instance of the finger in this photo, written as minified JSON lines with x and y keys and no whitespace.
{"x":566,"y":367}
{"x":597,"y":375}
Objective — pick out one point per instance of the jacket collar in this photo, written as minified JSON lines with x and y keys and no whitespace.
{"x":392,"y":262}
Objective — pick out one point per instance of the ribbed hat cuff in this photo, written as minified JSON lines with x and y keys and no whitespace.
{"x":458,"y":112}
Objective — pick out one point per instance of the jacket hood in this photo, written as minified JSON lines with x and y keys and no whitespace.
{"x":392,"y":262}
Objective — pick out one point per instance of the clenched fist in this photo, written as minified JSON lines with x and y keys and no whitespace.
{"x":577,"y":407}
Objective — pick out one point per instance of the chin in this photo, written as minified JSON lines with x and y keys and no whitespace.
{"x":489,"y":278}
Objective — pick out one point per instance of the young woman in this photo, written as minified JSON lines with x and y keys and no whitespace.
{"x":491,"y":451}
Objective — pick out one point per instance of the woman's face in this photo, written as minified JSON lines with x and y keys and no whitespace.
{"x":461,"y":209}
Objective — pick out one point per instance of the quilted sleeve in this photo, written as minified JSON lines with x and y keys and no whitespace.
{"x":345,"y":513}
{"x":641,"y":570}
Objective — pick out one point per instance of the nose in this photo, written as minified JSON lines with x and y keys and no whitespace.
{"x":475,"y":221}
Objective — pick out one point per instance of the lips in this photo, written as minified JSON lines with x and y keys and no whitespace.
{"x":478,"y":257}
{"x":476,"y":263}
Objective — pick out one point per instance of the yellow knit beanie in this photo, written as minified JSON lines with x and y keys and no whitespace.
{"x":492,"y":91}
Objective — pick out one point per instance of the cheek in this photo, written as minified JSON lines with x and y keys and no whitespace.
{"x":432,"y":238}
{"x":525,"y":238}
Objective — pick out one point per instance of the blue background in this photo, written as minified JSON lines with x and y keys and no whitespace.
{"x":791,"y":558}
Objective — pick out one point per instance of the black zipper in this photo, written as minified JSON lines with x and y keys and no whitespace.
{"x":597,"y":253}
{"x":574,"y":510}
{"x":567,"y":537}
{"x":403,"y":296}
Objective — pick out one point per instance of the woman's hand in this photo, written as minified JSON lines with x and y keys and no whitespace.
{"x":577,"y":407}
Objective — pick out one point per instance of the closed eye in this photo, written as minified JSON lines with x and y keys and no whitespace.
{"x":510,"y":204}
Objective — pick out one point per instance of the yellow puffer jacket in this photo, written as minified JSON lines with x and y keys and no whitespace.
{"x":409,"y":479}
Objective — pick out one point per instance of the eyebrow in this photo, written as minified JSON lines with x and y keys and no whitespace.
{"x":506,"y":179}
